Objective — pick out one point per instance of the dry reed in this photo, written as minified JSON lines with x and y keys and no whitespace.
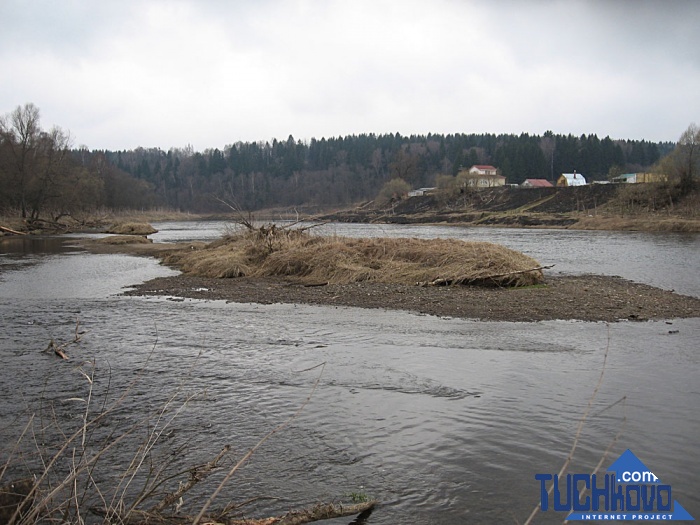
{"x":271,"y":251}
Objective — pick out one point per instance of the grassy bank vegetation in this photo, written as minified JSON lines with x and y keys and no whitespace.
{"x":653,"y":207}
{"x":100,"y":220}
{"x":296,"y":253}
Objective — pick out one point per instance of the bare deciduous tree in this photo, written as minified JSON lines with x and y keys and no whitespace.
{"x":19,"y":132}
{"x":405,"y":166}
{"x":688,"y":158}
{"x":36,"y":163}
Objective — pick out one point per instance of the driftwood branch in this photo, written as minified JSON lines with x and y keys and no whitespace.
{"x":60,"y":349}
{"x":324,"y":511}
{"x":321,"y":511}
{"x":508,"y":274}
{"x":466,"y":280}
{"x":304,"y":228}
{"x":10,"y":230}
{"x":242,"y":220}
{"x":196,"y":475}
{"x":45,"y":224}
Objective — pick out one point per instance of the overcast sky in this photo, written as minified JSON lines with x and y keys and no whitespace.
{"x":208,"y":73}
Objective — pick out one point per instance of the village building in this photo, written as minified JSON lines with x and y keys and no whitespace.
{"x":536,"y":183}
{"x":482,"y":176}
{"x":421,"y":191}
{"x":482,"y":169}
{"x":636,"y":178}
{"x":571,"y":179}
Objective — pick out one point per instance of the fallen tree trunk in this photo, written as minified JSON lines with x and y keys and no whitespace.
{"x":324,"y":511}
{"x":43,"y":224}
{"x":321,"y":511}
{"x":483,"y":279}
{"x":10,"y":230}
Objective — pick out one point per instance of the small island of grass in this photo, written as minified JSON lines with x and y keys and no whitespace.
{"x":271,"y":251}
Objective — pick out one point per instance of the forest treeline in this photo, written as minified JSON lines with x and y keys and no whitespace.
{"x":343,"y":170}
{"x":41,"y":173}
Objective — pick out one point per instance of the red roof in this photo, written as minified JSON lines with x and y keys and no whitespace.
{"x":483,"y":167}
{"x":539,"y":183}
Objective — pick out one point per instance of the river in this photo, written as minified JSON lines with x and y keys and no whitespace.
{"x":443,"y":420}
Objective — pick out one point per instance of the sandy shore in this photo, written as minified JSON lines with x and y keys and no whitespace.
{"x":587,"y":298}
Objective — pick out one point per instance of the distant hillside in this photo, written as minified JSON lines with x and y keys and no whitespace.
{"x":596,"y":206}
{"x":476,"y":205}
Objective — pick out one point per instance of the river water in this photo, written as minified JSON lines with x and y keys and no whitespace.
{"x":443,"y":420}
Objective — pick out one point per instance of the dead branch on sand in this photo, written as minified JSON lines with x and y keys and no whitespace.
{"x":494,"y":277}
{"x":60,"y":349}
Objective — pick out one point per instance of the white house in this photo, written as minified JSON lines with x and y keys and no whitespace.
{"x":482,"y":169}
{"x":571,"y":179}
{"x":481,"y":176}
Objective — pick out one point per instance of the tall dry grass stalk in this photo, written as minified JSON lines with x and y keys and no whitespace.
{"x":75,"y":472}
{"x":271,"y":251}
{"x":577,"y":436}
{"x":61,"y":459}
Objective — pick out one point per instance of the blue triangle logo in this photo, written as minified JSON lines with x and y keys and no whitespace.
{"x":629,"y":491}
{"x":629,"y":468}
{"x":680,"y":514}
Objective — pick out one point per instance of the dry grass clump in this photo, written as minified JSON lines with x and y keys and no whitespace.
{"x":132,"y":228}
{"x":271,"y":251}
{"x":124,"y":239}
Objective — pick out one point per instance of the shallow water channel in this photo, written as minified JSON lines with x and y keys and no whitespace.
{"x":443,"y":420}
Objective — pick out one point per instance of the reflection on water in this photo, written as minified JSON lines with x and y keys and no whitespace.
{"x":41,"y":269}
{"x":21,"y":246}
{"x":444,"y":420}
